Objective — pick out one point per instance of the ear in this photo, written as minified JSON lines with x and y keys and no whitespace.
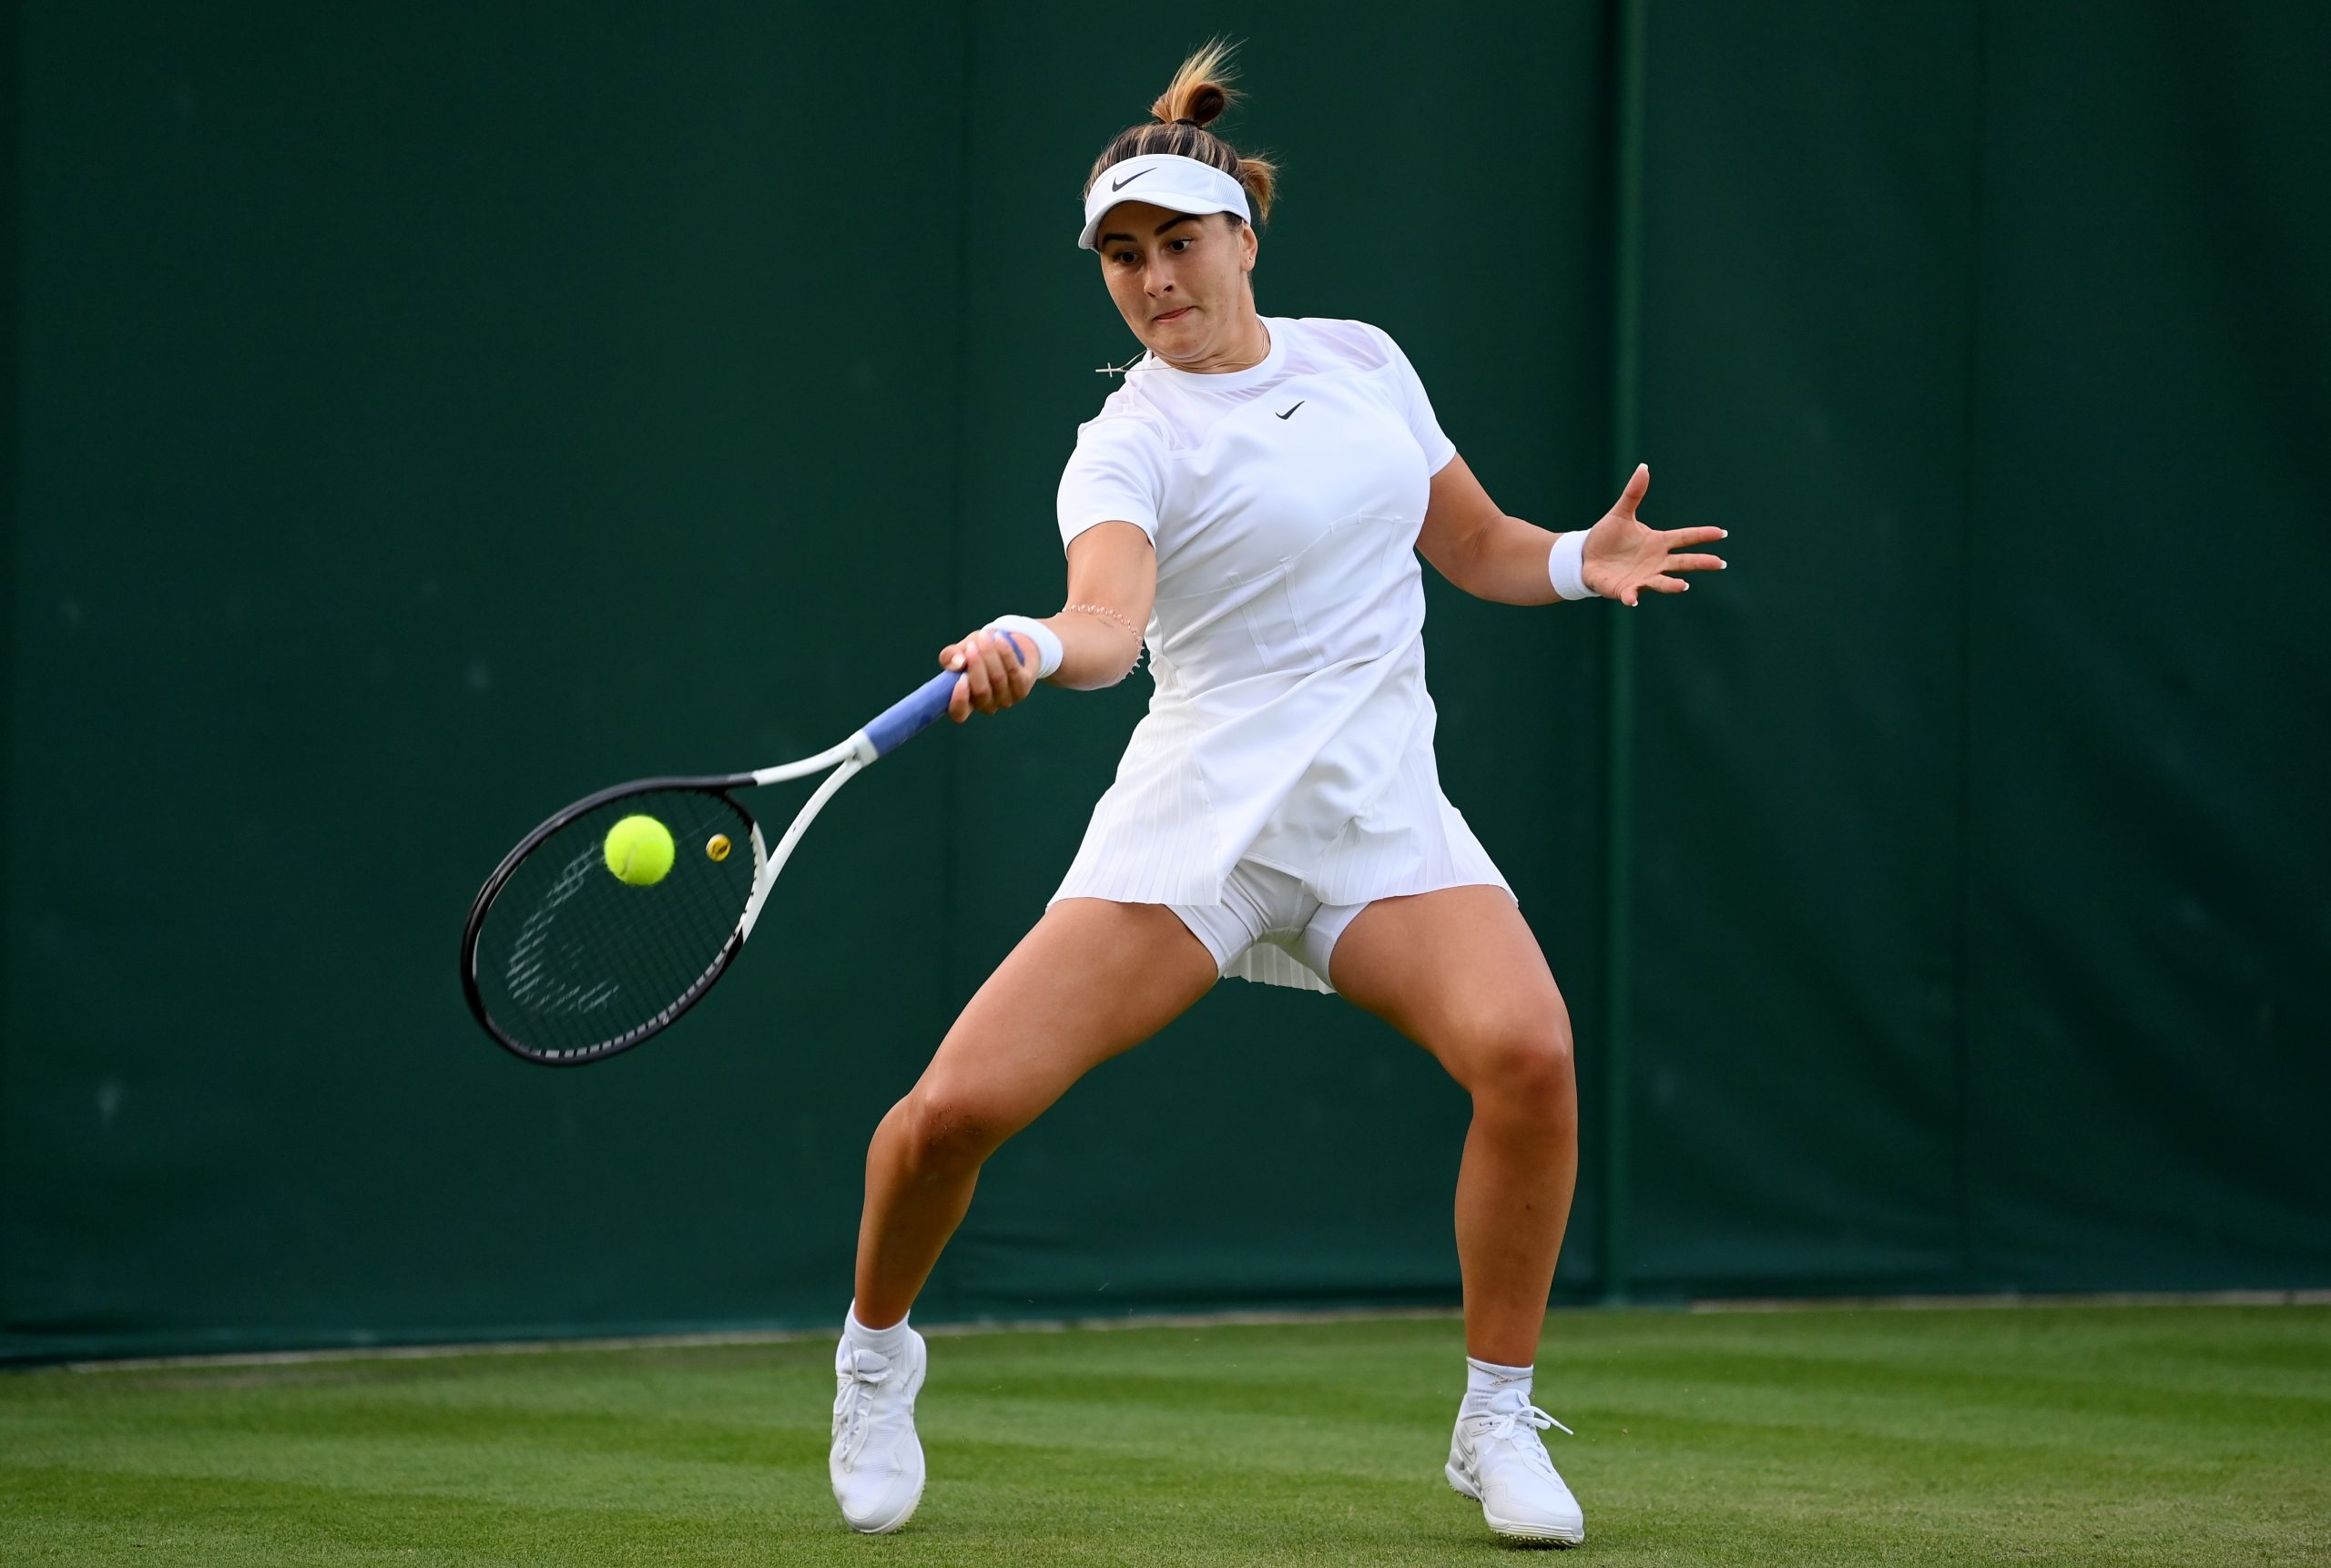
{"x":1251,"y":244}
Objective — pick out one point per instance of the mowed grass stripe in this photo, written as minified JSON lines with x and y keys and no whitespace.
{"x":2104,"y":1435}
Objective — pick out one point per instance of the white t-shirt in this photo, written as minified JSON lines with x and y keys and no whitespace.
{"x":1289,"y":723}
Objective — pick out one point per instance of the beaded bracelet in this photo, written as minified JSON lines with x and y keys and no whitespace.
{"x":1113,"y":614}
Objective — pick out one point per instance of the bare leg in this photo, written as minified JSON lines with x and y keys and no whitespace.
{"x":1093,"y":979}
{"x":1458,"y":973}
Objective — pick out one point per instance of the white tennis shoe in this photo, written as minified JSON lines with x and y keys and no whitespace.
{"x":876,"y":1462}
{"x":1498,"y":1460}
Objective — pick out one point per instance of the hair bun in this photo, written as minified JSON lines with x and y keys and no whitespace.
{"x":1200,"y":90}
{"x":1206,"y":101}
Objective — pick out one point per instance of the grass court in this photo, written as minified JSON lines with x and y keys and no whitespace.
{"x":2192,"y":1435}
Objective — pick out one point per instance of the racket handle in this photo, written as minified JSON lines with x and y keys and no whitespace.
{"x":919,"y":708}
{"x":912,"y":714}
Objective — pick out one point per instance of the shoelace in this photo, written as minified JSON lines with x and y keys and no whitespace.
{"x":860,"y":1375}
{"x":1521,"y":1428}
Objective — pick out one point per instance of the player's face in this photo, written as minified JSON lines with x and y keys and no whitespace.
{"x":1180,"y":281}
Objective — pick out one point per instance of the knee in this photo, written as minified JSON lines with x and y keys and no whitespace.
{"x":1521,"y":1067}
{"x":946,"y":1129}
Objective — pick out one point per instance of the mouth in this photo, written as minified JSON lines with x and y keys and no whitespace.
{"x":1171,"y":316}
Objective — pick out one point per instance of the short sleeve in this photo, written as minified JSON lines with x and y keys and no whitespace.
{"x":1117,"y":475}
{"x":1409,"y":396}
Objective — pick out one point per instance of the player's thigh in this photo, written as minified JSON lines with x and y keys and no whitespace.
{"x":1460,"y":972}
{"x":1092,"y":979}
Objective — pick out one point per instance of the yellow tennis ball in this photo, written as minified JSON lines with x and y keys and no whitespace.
{"x":640,"y":850}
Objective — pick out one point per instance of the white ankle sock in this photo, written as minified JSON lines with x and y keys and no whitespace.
{"x":1485,"y":1379}
{"x":887,"y":1341}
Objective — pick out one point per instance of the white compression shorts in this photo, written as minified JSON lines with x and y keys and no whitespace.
{"x":1263,"y":903}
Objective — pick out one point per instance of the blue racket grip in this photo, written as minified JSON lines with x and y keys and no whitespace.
{"x":920,"y":709}
{"x":912,"y":714}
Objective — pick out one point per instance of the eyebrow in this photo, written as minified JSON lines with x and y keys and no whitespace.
{"x":1185,"y":218}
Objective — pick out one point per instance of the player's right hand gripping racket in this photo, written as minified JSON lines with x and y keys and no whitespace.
{"x":564,"y":962}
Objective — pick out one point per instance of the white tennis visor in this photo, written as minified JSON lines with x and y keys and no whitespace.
{"x":1165,"y":179}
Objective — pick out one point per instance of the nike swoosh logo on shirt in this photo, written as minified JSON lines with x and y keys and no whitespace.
{"x":1290,"y":413}
{"x":1118,"y":185}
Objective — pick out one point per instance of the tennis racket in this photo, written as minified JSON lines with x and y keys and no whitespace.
{"x":564,"y":962}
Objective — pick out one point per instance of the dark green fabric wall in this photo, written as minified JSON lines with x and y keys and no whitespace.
{"x":418,"y":420}
{"x":1984,"y":882}
{"x":1808,"y":210}
{"x":2148,"y":712}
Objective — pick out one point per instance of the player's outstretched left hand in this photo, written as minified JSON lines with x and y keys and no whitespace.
{"x":1624,"y":556}
{"x":998,"y":671}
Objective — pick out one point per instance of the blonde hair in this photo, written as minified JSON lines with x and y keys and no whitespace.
{"x":1195,"y":97}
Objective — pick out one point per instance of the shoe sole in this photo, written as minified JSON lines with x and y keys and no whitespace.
{"x":897,"y":1523}
{"x":1511,"y":1529}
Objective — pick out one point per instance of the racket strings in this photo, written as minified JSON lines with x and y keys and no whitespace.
{"x":573,"y":961}
{"x":597,"y":958}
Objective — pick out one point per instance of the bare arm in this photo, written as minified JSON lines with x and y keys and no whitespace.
{"x":1112,"y":574}
{"x":1111,"y":567}
{"x":1503,"y":559}
{"x":1478,"y":547}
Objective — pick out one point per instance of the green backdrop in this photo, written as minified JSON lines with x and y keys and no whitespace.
{"x":419,"y":418}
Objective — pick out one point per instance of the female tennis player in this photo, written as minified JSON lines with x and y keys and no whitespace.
{"x":1251,"y":504}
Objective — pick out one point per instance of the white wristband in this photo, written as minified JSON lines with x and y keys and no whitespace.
{"x":1049,"y":653}
{"x":1566,"y":565}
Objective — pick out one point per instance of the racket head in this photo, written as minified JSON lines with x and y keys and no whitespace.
{"x":565,"y":963}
